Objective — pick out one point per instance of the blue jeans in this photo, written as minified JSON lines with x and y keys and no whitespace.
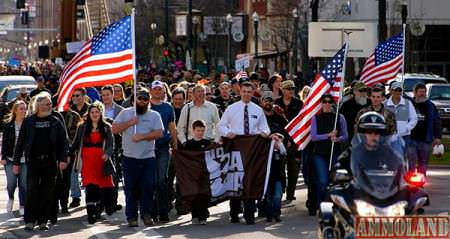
{"x":139,"y":176}
{"x":13,"y":180}
{"x":161,"y":204}
{"x":418,"y":152}
{"x":273,"y":200}
{"x":321,"y":169}
{"x":75,"y":191}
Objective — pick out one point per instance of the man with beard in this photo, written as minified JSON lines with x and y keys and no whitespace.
{"x":224,"y":99}
{"x":139,"y":133}
{"x":351,"y":107}
{"x":427,"y":131}
{"x":274,"y":114}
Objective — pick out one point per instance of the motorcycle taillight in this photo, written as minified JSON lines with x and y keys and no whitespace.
{"x":415,"y":178}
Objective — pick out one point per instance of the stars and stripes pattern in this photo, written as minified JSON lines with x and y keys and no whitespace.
{"x":329,"y":80}
{"x":241,"y":74}
{"x":107,"y":58}
{"x":384,"y":64}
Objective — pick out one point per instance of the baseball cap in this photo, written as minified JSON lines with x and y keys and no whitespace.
{"x":143,"y":92}
{"x":157,"y":83}
{"x":359,"y":85}
{"x":395,"y":85}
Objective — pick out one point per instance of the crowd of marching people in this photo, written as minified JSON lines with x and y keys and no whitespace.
{"x":111,"y":135}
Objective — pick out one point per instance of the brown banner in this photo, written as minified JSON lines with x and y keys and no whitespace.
{"x":237,"y":168}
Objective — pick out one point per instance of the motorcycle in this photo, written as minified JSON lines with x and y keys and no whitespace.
{"x":376,"y":185}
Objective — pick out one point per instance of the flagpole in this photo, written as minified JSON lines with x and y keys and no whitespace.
{"x":133,"y":46}
{"x":341,"y":89}
{"x":403,"y":54}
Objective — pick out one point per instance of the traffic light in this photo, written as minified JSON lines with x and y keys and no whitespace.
{"x":166,"y":52}
{"x":81,"y":2}
{"x":20,"y":4}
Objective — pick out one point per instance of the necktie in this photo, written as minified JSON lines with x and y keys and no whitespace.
{"x":246,"y":124}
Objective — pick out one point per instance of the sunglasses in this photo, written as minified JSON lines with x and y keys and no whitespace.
{"x":142,"y":98}
{"x":362,"y":90}
{"x":290,"y":88}
{"x":76,"y":95}
{"x":372,"y":131}
{"x":327,"y":102}
{"x":398,"y":90}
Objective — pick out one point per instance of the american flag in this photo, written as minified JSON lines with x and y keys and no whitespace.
{"x":241,"y":74}
{"x":384,"y":63}
{"x":107,"y":58}
{"x":329,"y":80}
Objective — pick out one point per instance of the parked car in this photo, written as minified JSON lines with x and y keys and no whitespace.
{"x":411,"y":79}
{"x":16,"y":80}
{"x":10,"y":92}
{"x":439,"y":94}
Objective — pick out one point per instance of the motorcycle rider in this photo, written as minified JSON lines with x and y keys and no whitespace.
{"x":371,"y":126}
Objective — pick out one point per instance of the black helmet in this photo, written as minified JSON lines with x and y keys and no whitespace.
{"x":371,"y":121}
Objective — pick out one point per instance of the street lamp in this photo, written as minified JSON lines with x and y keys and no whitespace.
{"x":295,"y":36}
{"x":229,"y":19}
{"x":255,"y":18}
{"x":195,"y":22}
{"x":153,"y":27}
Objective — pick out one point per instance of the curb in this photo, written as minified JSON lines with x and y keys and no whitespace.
{"x":439,"y":166}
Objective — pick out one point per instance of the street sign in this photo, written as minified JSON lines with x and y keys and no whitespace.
{"x":242,"y":63}
{"x":74,"y":47}
{"x":326,"y":38}
{"x":238,"y":36}
{"x":181,"y":25}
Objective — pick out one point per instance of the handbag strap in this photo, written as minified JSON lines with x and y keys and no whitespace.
{"x":187,"y":120}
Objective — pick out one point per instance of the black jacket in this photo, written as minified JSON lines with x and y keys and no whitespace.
{"x":9,"y":140}
{"x":58,"y":137}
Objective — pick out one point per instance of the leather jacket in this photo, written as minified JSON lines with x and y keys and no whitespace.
{"x":9,"y":140}
{"x":58,"y":139}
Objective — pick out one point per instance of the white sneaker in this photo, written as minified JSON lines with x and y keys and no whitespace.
{"x":202,"y":222}
{"x":9,"y":205}
{"x":21,"y":211}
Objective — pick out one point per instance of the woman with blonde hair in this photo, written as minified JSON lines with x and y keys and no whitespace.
{"x":94,"y":144}
{"x":303,"y":94}
{"x":10,"y":136}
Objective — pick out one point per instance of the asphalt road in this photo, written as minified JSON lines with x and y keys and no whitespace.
{"x":295,"y":224}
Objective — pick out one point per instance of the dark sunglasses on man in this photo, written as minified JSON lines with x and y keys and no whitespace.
{"x":327,"y":101}
{"x":142,"y":98}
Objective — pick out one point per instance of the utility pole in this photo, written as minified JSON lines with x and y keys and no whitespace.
{"x":382,"y":27}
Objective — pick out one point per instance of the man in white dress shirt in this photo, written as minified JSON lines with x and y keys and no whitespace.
{"x":198,"y":109}
{"x":243,"y":118}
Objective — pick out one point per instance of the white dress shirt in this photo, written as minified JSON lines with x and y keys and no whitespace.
{"x":232,"y":120}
